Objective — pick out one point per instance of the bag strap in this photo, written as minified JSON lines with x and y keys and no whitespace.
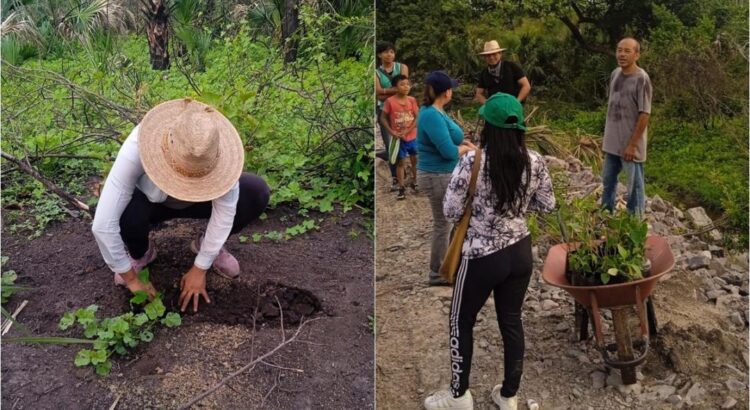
{"x":473,"y":182}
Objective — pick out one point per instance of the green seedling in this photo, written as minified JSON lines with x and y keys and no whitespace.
{"x":119,"y":334}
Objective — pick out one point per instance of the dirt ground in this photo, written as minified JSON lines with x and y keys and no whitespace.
{"x":697,"y":355}
{"x":324,"y":274}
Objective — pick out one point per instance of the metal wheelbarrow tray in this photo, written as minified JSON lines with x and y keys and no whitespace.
{"x":619,"y":298}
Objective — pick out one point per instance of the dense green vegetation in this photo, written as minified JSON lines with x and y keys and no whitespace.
{"x":70,"y":100}
{"x":696,"y":53}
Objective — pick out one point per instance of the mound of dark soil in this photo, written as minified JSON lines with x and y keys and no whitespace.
{"x":241,"y":303}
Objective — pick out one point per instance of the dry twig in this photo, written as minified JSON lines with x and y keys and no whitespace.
{"x":285,"y":341}
{"x":268,"y":393}
{"x":9,"y":322}
{"x":114,"y":405}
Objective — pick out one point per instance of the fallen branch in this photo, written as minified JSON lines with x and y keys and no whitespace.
{"x":65,"y":156}
{"x":259,"y":359}
{"x":282,"y":367}
{"x":26,"y":167}
{"x":9,"y":323}
{"x":90,"y":97}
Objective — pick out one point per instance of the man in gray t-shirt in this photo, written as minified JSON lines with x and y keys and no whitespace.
{"x":626,"y":127}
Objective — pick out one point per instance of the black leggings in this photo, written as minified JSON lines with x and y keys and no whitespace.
{"x":505,"y":273}
{"x":141,"y":214}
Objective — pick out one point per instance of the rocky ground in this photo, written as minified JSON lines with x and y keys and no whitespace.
{"x":698,"y":361}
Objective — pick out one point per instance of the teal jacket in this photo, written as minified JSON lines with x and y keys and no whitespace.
{"x":438,"y":138}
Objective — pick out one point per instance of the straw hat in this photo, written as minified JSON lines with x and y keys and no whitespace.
{"x":491,"y":47}
{"x":190,"y":151}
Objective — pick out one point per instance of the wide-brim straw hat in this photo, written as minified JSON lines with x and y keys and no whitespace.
{"x":190,"y":150}
{"x":491,"y":47}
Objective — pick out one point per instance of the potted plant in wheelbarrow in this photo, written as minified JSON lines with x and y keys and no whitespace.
{"x":609,"y":261}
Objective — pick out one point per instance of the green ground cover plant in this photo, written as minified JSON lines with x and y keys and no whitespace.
{"x":7,"y":282}
{"x":119,"y":334}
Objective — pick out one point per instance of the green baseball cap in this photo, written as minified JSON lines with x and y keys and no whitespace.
{"x":498,"y":108}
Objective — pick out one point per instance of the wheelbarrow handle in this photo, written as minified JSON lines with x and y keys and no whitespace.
{"x":641,"y":310}
{"x":597,"y":320}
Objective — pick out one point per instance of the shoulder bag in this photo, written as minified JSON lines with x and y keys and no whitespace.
{"x":452,"y":260}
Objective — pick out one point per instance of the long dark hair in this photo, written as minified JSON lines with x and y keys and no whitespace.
{"x":507,"y":166}
{"x":429,"y":96}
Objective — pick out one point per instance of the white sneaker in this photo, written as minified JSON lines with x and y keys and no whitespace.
{"x":505,"y":403}
{"x":444,"y":400}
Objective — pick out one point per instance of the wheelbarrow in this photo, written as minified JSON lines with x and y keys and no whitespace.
{"x":620,"y":299}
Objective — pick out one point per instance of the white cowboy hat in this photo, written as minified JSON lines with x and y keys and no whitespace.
{"x":491,"y":47}
{"x":190,"y":151}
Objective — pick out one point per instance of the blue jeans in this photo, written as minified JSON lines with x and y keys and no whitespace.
{"x":636,"y":193}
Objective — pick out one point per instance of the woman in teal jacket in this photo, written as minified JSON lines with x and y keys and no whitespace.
{"x":440,"y":142}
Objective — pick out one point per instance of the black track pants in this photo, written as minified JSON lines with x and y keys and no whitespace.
{"x":141,"y":214}
{"x":506,"y":274}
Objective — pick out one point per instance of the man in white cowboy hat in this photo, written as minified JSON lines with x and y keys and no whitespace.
{"x":184,"y":160}
{"x":500,"y":76}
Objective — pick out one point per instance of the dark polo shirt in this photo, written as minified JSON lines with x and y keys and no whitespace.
{"x":507,"y":82}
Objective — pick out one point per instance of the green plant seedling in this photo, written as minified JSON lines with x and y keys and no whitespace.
{"x":119,"y":334}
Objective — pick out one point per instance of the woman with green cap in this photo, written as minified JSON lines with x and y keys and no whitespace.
{"x":496,"y":254}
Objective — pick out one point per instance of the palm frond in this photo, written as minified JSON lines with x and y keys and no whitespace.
{"x":85,"y":18}
{"x":20,"y":25}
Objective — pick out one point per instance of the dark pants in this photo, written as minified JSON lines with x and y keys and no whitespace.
{"x":141,"y":214}
{"x":505,"y":273}
{"x":386,"y":140}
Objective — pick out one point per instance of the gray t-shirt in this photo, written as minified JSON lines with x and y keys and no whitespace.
{"x":629,"y":95}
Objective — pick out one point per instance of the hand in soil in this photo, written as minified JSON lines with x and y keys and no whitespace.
{"x":193,"y":285}
{"x":134,"y":284}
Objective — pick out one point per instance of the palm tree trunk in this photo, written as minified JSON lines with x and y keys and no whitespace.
{"x":157,"y":31}
{"x":289,"y":25}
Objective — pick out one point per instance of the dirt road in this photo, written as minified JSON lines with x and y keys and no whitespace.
{"x":699,"y":360}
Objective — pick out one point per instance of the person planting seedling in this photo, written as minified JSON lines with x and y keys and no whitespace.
{"x":184,"y":160}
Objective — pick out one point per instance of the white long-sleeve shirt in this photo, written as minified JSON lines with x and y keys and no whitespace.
{"x":127,"y":174}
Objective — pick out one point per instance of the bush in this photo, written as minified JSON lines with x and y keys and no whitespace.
{"x":306,"y":126}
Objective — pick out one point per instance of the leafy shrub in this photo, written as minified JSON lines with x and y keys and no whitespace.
{"x":608,"y":245}
{"x":306,"y":126}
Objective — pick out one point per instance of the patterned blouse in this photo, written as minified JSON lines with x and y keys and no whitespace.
{"x":489,"y":231}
